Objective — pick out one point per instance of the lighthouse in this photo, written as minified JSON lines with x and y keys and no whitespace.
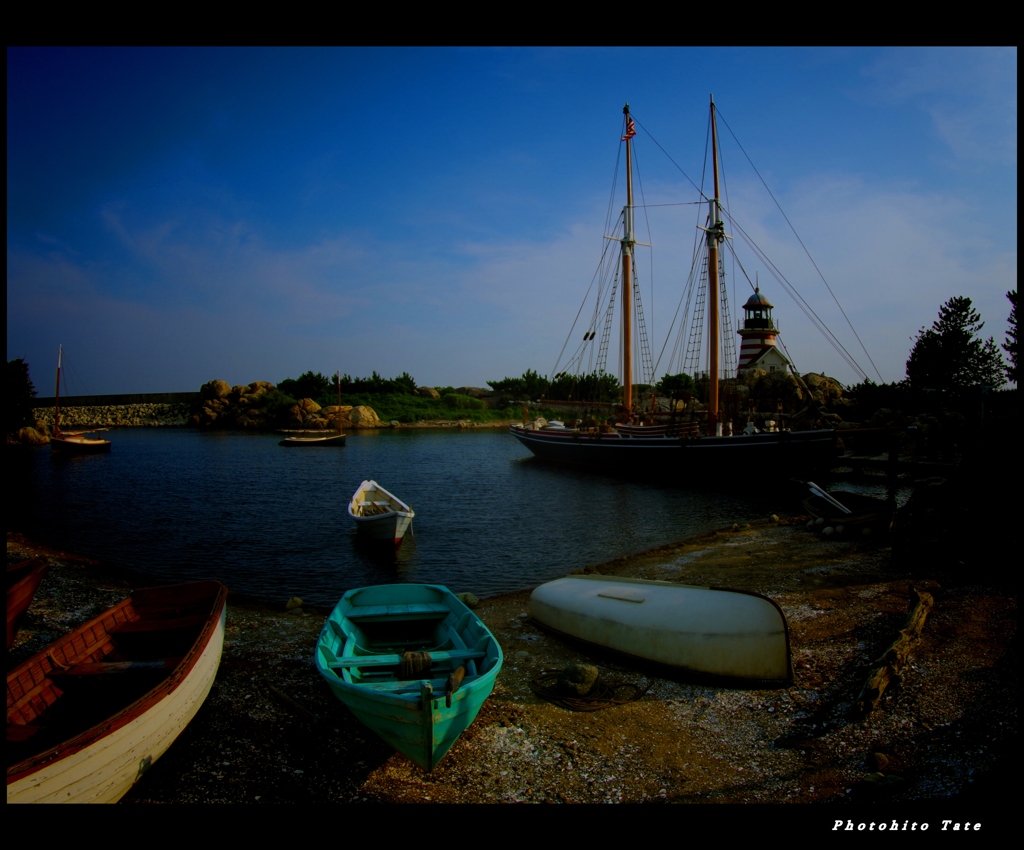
{"x":758,"y":349}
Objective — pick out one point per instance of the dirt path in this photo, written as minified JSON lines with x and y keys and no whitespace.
{"x":937,"y":733}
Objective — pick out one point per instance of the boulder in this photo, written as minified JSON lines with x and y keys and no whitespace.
{"x":427,"y":392}
{"x":215,"y":389}
{"x":364,"y":417}
{"x":331,"y":411}
{"x":823,"y":388}
{"x":309,"y":406}
{"x":257,"y":386}
{"x":474,"y":392}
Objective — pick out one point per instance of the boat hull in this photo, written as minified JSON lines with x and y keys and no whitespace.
{"x":101,"y":764}
{"x":725,"y":634}
{"x":22,"y":582}
{"x":359,"y":651}
{"x":788,"y":452}
{"x":75,"y":444}
{"x":866,"y":512}
{"x":336,"y":441}
{"x":391,"y":518}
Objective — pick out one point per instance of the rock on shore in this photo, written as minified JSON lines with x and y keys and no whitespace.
{"x":271,"y":731}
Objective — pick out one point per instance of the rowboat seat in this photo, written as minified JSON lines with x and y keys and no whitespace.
{"x":145,"y":625}
{"x":411,"y":611}
{"x":395,"y":660}
{"x":99,"y":668}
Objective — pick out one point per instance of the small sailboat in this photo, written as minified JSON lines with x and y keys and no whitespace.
{"x":707,"y":631}
{"x":411,"y":662}
{"x":331,"y":441}
{"x":72,"y":441}
{"x":692,"y":447}
{"x":380,"y":514}
{"x":89,"y":715}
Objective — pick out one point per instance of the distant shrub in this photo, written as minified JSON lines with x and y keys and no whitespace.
{"x":454,"y":401}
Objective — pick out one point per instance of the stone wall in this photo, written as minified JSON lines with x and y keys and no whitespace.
{"x":124,"y":415}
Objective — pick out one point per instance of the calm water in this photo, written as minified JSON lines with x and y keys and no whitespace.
{"x":271,"y":522}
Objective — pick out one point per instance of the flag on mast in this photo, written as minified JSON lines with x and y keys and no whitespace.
{"x":630,"y":130}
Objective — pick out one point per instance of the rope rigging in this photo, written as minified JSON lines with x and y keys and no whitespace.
{"x":686,"y":330}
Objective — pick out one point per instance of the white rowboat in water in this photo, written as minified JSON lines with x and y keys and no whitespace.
{"x":731,"y":634}
{"x":380,"y":514}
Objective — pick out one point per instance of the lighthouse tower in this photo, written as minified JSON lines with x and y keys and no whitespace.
{"x":758,"y":349}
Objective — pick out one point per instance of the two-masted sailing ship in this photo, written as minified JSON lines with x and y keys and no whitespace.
{"x":683,"y":445}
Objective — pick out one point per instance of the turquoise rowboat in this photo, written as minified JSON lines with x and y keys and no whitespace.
{"x":411,"y":662}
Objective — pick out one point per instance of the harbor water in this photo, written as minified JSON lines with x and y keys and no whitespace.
{"x":179,"y":504}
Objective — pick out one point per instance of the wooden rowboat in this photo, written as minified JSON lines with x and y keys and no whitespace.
{"x":22,"y":581}
{"x":866,"y":513}
{"x":728,"y":634}
{"x":380,"y":514}
{"x":88,"y":716}
{"x":411,"y":662}
{"x":335,"y":441}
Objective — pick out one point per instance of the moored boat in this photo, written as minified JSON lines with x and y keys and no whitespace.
{"x":687,"y":445}
{"x":22,"y":582}
{"x":320,"y":440}
{"x":726,"y":634}
{"x":380,"y":514}
{"x":72,"y":441}
{"x":411,"y":662}
{"x":334,"y":440}
{"x":89,"y":715}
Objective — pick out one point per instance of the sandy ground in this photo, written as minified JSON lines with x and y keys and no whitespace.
{"x":944,"y":732}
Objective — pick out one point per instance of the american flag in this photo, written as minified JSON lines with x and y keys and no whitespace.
{"x":630,"y":130}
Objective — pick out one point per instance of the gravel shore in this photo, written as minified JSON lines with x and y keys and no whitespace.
{"x":271,"y":731}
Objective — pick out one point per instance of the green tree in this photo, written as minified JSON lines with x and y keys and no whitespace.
{"x":674,"y":386}
{"x":1010,"y":346}
{"x":951,"y":356}
{"x":20,"y":392}
{"x":307,"y":385}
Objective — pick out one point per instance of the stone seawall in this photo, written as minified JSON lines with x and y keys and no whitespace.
{"x":110,"y":415}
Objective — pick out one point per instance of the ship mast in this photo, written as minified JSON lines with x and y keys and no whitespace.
{"x":627,"y":273}
{"x":56,"y":395}
{"x":716,"y":235}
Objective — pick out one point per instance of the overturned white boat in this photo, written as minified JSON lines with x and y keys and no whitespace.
{"x":379,"y":513}
{"x":731,"y":634}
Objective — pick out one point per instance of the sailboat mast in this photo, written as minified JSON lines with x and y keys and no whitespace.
{"x":627,"y":272}
{"x":715,"y":236}
{"x":56,"y":394}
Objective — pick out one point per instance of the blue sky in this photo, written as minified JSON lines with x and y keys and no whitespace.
{"x":178,"y":215}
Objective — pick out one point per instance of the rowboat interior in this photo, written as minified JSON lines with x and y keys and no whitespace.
{"x":100,"y":671}
{"x":368,"y":648}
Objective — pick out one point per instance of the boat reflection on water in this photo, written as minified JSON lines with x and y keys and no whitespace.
{"x":382,"y":554}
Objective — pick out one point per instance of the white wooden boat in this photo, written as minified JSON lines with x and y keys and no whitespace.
{"x":89,"y":715}
{"x":730,"y":634}
{"x":380,"y":514}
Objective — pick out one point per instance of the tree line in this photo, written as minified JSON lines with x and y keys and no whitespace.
{"x":949,"y":361}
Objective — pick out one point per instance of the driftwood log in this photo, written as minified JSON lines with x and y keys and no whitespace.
{"x":890,"y":662}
